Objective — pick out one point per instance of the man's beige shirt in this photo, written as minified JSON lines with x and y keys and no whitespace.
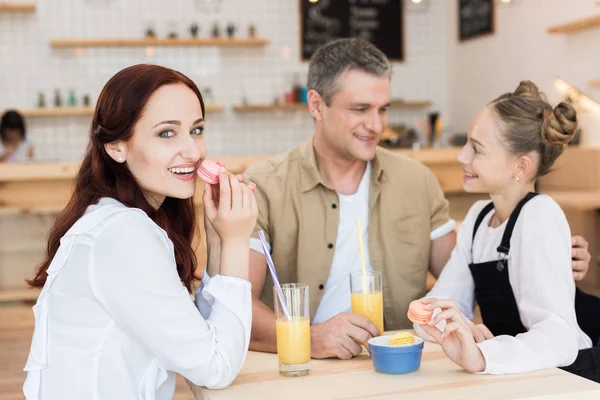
{"x":299,"y":216}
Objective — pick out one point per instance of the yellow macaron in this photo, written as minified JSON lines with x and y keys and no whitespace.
{"x":401,"y":339}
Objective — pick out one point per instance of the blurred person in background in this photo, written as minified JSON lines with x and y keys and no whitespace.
{"x":13,"y":142}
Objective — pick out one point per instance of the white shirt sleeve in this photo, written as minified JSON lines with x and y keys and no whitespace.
{"x":256,"y":245}
{"x":546,"y":293}
{"x":134,"y":276}
{"x":443,"y":230}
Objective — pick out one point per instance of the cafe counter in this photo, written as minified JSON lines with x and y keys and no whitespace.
{"x":32,"y":193}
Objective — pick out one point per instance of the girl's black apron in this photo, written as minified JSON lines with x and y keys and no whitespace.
{"x":499,"y":309}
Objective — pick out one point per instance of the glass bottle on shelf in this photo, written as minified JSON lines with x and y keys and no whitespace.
{"x":41,"y":100}
{"x":194,"y":29}
{"x":57,"y":99}
{"x":150,"y":30}
{"x":72,"y":98}
{"x":277,"y":96}
{"x":207,"y":96}
{"x":216,"y":31}
{"x":231,"y":30}
{"x":172,"y":30}
{"x":297,"y":89}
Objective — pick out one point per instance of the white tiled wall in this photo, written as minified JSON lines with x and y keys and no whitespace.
{"x":29,"y":65}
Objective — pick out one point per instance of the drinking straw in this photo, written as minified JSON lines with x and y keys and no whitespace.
{"x":263,"y":241}
{"x":360,"y":246}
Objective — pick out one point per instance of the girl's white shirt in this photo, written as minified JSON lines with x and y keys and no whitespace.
{"x":541,"y":278}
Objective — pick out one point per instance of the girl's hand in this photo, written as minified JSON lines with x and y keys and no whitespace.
{"x":581,"y":257}
{"x":457,"y":340}
{"x":480,"y":332}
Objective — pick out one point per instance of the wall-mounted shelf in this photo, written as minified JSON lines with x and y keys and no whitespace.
{"x":144,"y":42}
{"x":8,"y":295}
{"x":396,"y":104}
{"x":57,"y":112}
{"x":399,"y":104}
{"x":17,"y":7}
{"x":577,"y":25}
{"x":270,"y":108}
{"x":213,"y":108}
{"x":595,"y":84}
{"x":82,"y":111}
{"x":26,"y":210}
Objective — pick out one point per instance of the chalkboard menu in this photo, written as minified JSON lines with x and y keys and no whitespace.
{"x":379,"y":21}
{"x":475,"y":18}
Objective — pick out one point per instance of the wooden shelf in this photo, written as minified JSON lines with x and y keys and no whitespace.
{"x":37,"y":210}
{"x":270,"y":108}
{"x":396,"y":104}
{"x":7,"y":295}
{"x":17,"y":7}
{"x":37,"y":171}
{"x":577,"y":25}
{"x":595,"y":84}
{"x":83,"y":111}
{"x":143,"y":42}
{"x":57,"y":112}
{"x":213,"y":108}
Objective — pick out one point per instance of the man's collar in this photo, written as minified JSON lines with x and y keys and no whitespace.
{"x":310,"y":175}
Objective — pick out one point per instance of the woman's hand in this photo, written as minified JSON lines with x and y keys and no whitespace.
{"x":215,"y":188}
{"x":233,"y":218}
{"x":457,"y":340}
{"x":233,"y":215}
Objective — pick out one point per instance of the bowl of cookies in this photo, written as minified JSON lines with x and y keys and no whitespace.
{"x":396,"y":354}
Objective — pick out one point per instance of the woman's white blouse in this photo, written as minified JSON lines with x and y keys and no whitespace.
{"x":114,"y":321}
{"x":539,"y":269}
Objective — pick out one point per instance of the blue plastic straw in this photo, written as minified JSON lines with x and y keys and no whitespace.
{"x":263,"y":241}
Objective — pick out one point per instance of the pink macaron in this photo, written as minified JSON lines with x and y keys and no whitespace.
{"x":209,"y":172}
{"x":418,"y":314}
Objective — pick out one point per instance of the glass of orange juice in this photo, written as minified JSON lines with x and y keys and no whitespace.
{"x":367,"y":296}
{"x":293,"y":334}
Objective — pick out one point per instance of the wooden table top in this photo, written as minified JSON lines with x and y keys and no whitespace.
{"x":438,"y":378}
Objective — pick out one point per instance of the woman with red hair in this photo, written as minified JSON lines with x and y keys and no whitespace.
{"x":115,"y":318}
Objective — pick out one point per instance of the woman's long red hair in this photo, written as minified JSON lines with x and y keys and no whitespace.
{"x":119,"y":107}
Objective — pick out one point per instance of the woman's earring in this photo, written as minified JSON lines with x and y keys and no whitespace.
{"x":517,"y":179}
{"x":120,"y":159}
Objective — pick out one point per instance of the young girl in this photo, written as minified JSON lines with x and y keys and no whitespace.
{"x":115,"y":318}
{"x":513,"y":254}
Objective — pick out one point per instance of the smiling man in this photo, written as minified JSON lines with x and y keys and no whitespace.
{"x":310,"y":197}
{"x":309,"y":200}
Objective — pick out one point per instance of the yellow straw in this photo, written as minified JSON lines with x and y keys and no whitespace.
{"x":360,"y":246}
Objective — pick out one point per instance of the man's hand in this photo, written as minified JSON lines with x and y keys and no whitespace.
{"x":581,"y":257}
{"x":341,"y":336}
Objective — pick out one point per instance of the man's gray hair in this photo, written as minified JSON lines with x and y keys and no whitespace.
{"x":339,"y":56}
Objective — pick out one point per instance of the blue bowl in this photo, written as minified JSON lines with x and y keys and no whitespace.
{"x":395,"y":359}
